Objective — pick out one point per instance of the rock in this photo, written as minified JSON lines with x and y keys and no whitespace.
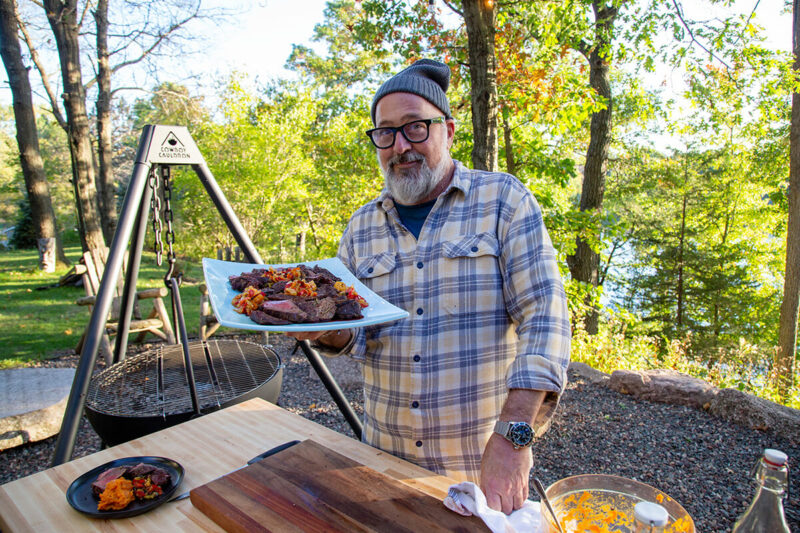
{"x":587,"y":372}
{"x":32,"y":403}
{"x":666,"y":386}
{"x":31,"y":427}
{"x":756,"y":413}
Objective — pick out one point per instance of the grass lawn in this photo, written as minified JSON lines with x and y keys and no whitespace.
{"x":38,"y":321}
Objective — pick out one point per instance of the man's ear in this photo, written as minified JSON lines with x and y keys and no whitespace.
{"x":450,"y":124}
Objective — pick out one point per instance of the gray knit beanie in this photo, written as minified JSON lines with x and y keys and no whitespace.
{"x":426,"y":78}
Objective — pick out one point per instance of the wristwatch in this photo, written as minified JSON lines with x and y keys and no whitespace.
{"x":520,"y":434}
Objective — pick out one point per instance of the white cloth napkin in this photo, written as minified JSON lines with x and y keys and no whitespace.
{"x":467,"y":499}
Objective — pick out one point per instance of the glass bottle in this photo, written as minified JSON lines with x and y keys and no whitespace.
{"x":649,"y":517}
{"x":765,"y":513}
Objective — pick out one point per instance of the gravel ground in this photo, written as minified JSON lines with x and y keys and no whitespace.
{"x":701,"y":461}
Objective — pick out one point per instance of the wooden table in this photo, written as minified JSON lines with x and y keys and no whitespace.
{"x":207,"y":447}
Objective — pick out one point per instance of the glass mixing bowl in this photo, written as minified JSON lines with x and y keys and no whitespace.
{"x":601,"y":503}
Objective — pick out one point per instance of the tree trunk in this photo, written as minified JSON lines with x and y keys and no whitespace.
{"x":681,"y":245}
{"x":787,"y":332}
{"x":44,"y":219}
{"x":584,"y":264}
{"x":511,"y":165}
{"x":479,"y":17}
{"x":63,"y":18}
{"x":106,"y":189}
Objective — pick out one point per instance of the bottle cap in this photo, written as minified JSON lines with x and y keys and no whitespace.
{"x":650,"y":514}
{"x":775,"y":457}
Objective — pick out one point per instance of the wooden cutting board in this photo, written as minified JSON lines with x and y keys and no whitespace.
{"x":309,"y":487}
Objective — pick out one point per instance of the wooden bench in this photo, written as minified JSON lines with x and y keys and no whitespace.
{"x":157,"y":322}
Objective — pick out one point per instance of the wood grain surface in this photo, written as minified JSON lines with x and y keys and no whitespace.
{"x":311,"y":488}
{"x":208,"y":447}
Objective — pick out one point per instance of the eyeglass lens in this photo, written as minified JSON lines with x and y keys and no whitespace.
{"x":414,"y":132}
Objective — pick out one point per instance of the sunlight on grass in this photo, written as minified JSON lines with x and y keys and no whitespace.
{"x":39,"y":319}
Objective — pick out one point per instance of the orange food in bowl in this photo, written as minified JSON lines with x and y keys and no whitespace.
{"x":117,"y":495}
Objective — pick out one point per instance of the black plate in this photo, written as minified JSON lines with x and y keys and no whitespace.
{"x":80,"y":497}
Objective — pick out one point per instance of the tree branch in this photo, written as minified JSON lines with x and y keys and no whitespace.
{"x":453,"y":8}
{"x":694,"y":39}
{"x":42,"y":72}
{"x":85,"y":11}
{"x":161,"y":37}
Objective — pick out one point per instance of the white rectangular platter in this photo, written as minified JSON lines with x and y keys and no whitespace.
{"x":221,"y":294}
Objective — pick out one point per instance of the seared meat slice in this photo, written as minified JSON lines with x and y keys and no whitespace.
{"x":106,"y":477}
{"x":319,"y":310}
{"x":349,"y":310}
{"x":159,"y":477}
{"x":285,"y":309}
{"x":141,"y":470}
{"x":326,"y":289}
{"x":278,"y":286}
{"x":260,"y":317}
{"x":248,"y":279}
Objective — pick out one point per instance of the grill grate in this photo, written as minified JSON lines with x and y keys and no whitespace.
{"x":154,"y":383}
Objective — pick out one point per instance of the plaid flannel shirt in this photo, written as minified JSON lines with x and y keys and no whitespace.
{"x":487,"y":310}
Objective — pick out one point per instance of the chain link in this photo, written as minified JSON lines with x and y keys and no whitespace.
{"x":166,"y":179}
{"x":155,"y":207}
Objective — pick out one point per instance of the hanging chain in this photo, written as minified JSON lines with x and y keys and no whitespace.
{"x":155,"y":207}
{"x":166,"y":179}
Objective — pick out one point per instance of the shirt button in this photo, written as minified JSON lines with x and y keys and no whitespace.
{"x":419,"y":444}
{"x":474,"y":248}
{"x":417,"y":358}
{"x":419,"y":311}
{"x":370,"y":270}
{"x":415,"y":404}
{"x":419,"y":264}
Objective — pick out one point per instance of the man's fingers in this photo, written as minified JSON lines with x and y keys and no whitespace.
{"x":519,"y":498}
{"x":508,"y":503}
{"x":493,"y":501}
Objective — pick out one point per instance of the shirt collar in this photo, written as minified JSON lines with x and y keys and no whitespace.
{"x":461,"y":181}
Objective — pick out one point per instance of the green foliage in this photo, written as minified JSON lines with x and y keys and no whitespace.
{"x":39,"y":320}
{"x":692,"y":233}
{"x":24,"y":234}
{"x":620,"y":344}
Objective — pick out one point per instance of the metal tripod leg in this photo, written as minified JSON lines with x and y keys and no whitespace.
{"x":131,"y":275}
{"x":235,"y":227}
{"x":333,"y":388}
{"x":105,"y":296}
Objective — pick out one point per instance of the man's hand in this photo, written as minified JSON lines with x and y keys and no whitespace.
{"x":336,"y":339}
{"x":504,"y":474}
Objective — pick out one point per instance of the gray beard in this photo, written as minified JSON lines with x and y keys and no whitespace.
{"x":413,"y":186}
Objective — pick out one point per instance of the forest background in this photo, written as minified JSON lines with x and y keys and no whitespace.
{"x":655,"y":136}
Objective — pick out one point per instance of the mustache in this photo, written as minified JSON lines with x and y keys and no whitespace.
{"x":407,"y":157}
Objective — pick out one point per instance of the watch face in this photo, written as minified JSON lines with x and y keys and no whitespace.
{"x":521,"y":434}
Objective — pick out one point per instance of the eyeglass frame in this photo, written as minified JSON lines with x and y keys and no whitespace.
{"x":426,"y":121}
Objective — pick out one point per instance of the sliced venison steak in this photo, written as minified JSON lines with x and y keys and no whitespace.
{"x":260,"y":317}
{"x":285,"y":309}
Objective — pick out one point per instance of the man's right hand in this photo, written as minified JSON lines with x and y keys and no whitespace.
{"x":335,"y":339}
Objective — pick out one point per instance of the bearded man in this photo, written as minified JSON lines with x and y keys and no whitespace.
{"x":463,"y":385}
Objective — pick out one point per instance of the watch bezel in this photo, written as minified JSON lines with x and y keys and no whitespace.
{"x":520,"y":434}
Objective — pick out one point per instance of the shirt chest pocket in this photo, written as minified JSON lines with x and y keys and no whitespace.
{"x":472,"y":272}
{"x":375,"y":271}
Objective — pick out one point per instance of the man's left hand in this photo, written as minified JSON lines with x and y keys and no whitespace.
{"x":504,"y":474}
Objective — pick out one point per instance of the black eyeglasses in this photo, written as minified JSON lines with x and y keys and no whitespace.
{"x":416,"y":131}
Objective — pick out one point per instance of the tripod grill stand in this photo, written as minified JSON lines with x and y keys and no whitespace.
{"x":158,"y":145}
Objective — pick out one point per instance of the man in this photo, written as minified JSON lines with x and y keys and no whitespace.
{"x":461,"y":386}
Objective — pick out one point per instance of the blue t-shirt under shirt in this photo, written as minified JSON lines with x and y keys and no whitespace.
{"x":413,"y":216}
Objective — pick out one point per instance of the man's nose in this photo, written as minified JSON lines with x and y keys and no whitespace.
{"x":401,"y":145}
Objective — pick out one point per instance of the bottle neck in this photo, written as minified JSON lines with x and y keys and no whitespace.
{"x":772,"y":477}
